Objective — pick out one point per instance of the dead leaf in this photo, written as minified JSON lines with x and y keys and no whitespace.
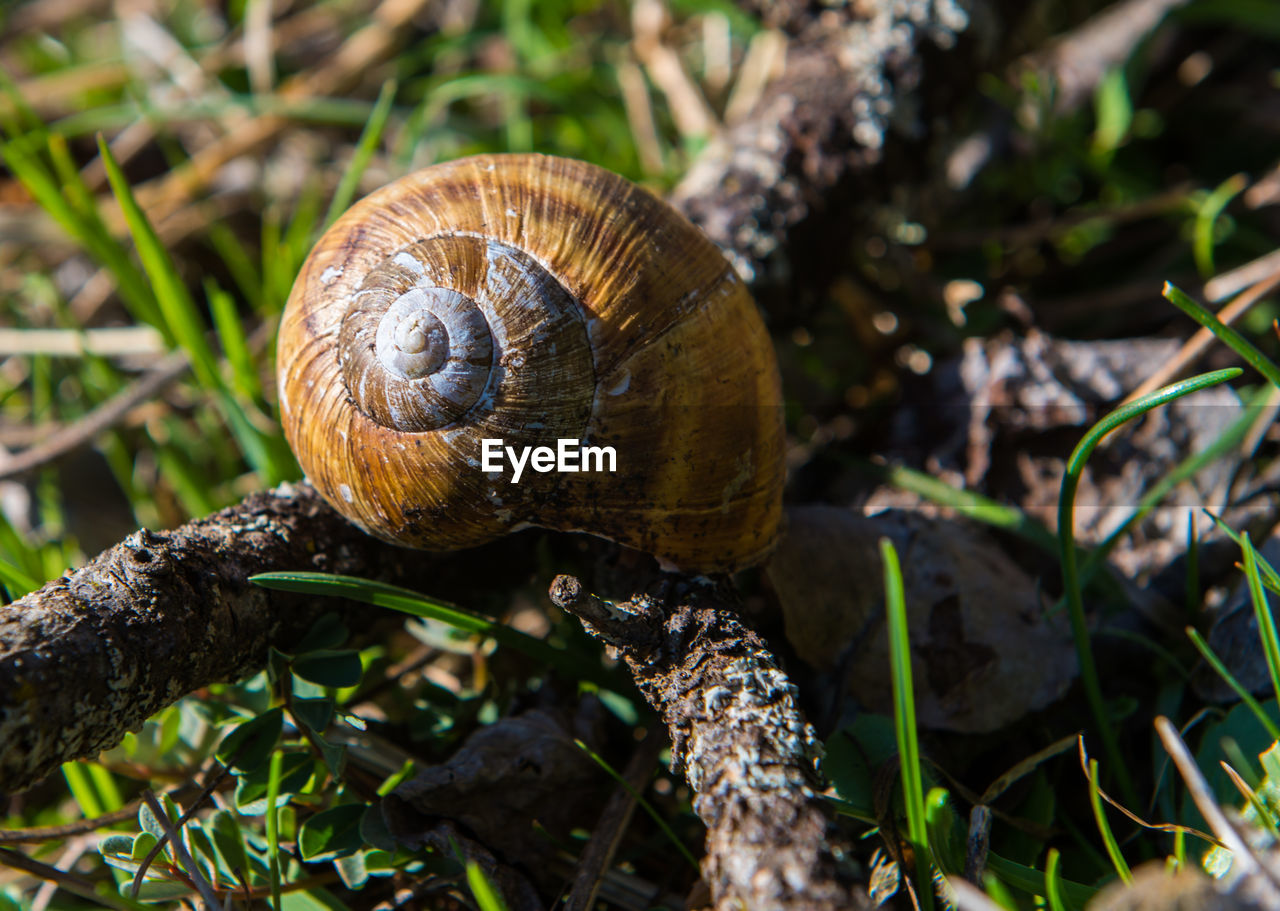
{"x":983,"y":653}
{"x":520,"y":770}
{"x":1002,"y":419}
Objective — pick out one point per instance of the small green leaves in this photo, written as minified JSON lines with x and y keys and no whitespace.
{"x":296,"y":769}
{"x":409,"y":602}
{"x":249,"y":745}
{"x":326,"y":633}
{"x":314,"y":713}
{"x":329,"y":668}
{"x":117,"y":850}
{"x":332,"y":833}
{"x":228,"y":844}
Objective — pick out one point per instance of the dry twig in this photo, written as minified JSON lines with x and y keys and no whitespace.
{"x":105,"y":416}
{"x":93,"y":654}
{"x":739,"y":739}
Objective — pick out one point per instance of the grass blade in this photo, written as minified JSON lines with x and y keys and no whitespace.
{"x":369,"y":140}
{"x":485,"y":894}
{"x":82,"y":789}
{"x":904,"y":721}
{"x":177,"y":308}
{"x":1108,"y":837}
{"x":381,"y":594}
{"x":1262,"y":610}
{"x":1270,"y":577}
{"x":181,"y":316}
{"x":1032,"y":881}
{"x":1207,"y":220}
{"x":1070,"y":570}
{"x":1250,"y":794}
{"x":1053,"y":882}
{"x":85,"y":228}
{"x":973,"y":505}
{"x":1273,"y":730}
{"x":235,"y":346}
{"x":273,"y":825}
{"x":1192,"y":586}
{"x":1228,"y":336}
{"x":1184,"y":470}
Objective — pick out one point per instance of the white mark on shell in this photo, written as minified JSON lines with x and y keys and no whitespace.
{"x":410,"y":262}
{"x":328,"y":275}
{"x":512,"y":213}
{"x":345,"y":491}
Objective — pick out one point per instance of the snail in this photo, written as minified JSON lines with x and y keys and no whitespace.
{"x":526,"y":300}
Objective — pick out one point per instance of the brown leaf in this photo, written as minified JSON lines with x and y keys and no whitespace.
{"x":518,"y":771}
{"x":983,"y":653}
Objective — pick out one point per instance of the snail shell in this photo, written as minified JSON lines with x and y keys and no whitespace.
{"x":532,"y":299}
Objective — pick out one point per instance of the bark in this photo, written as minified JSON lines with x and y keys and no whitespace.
{"x":853,"y":80}
{"x":739,"y":738}
{"x":91,"y":655}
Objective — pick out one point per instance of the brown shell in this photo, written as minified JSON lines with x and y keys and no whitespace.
{"x":666,"y":360}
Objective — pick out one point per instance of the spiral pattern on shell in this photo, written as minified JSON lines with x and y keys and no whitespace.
{"x":532,"y":299}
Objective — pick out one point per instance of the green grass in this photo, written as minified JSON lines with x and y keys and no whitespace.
{"x":904,"y":718}
{"x":1070,"y":571}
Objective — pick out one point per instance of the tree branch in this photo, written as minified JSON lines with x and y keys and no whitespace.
{"x":91,"y":655}
{"x":738,"y":737}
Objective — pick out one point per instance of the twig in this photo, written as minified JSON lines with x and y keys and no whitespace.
{"x":739,"y":739}
{"x":106,"y":415}
{"x":816,"y":130}
{"x":386,"y":26}
{"x":159,"y":615}
{"x":48,"y":833}
{"x":763,"y":62}
{"x":72,"y":882}
{"x":635,"y":99}
{"x":1235,"y":280}
{"x":209,"y":788}
{"x":1207,"y":804}
{"x":180,"y":849}
{"x":613,"y":823}
{"x":978,"y":843}
{"x":1077,"y":62}
{"x":115,"y":342}
{"x":689,"y":109}
{"x":72,"y":852}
